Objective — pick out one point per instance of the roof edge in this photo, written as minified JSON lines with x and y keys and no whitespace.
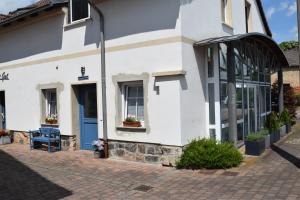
{"x":264,"y":19}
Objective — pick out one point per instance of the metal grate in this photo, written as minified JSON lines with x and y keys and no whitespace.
{"x":143,"y":188}
{"x":228,"y":173}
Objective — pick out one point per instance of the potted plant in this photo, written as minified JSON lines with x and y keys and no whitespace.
{"x":5,"y":137}
{"x":131,"y":122}
{"x":266,"y":133}
{"x":51,"y":119}
{"x":255,"y":144}
{"x":282,"y":129}
{"x":272,"y":124}
{"x":285,"y":118}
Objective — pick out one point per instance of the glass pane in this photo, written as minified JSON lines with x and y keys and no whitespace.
{"x":90,"y":103}
{"x":211,"y":99}
{"x":79,"y":9}
{"x":238,"y":69}
{"x":140,"y":110}
{"x":141,"y":91}
{"x":252,"y":109}
{"x":131,"y":108}
{"x":212,"y":134}
{"x":240,"y":132}
{"x":268,"y":98}
{"x":239,"y":101}
{"x":224,"y":103}
{"x":246,"y":70}
{"x":223,"y":61}
{"x":225,"y":135}
{"x":210,"y":62}
{"x":245,"y":111}
{"x":53,"y":96}
{"x":132,"y":91}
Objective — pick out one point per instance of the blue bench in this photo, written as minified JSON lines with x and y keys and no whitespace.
{"x":47,"y":135}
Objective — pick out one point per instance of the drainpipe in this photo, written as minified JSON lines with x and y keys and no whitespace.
{"x":103,"y":75}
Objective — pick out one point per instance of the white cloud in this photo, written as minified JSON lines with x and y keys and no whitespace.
{"x":294,"y":32}
{"x":292,"y":9}
{"x":10,"y":5}
{"x":270,"y":12}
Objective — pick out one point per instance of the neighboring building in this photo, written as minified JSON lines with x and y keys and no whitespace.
{"x":185,"y":69}
{"x":291,"y":74}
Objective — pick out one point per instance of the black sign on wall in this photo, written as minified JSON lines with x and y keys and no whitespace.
{"x":4,"y":77}
{"x":83,"y":76}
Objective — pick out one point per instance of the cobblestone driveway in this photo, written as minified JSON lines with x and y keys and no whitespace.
{"x":76,"y":175}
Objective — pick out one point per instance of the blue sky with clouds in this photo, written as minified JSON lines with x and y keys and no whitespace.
{"x":281,"y":15}
{"x":282,"y":18}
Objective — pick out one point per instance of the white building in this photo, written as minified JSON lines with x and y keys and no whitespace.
{"x":169,"y":63}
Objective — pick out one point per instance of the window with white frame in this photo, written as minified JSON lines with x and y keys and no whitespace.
{"x":79,"y":9}
{"x":133,"y":93}
{"x":51,"y":103}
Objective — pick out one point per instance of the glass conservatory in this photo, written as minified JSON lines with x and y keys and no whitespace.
{"x":238,"y":92}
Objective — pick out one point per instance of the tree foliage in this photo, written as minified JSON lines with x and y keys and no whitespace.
{"x":290,"y":100}
{"x":288,"y":45}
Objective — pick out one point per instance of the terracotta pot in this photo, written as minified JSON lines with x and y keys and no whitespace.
{"x":132,"y":124}
{"x":51,"y":121}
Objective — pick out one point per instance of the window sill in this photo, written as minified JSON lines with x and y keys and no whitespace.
{"x":131,"y":129}
{"x":227,"y":25}
{"x":77,"y":23}
{"x":49,"y":125}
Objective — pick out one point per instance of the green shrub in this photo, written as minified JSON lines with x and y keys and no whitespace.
{"x":264,"y":132}
{"x":256,"y":137}
{"x":297,"y":96}
{"x":285,"y":117}
{"x":272,"y":122}
{"x":209,"y":154}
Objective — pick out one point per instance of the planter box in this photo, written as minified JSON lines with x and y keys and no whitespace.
{"x":288,"y":128}
{"x":275,"y":136}
{"x":5,"y":140}
{"x":132,"y":124}
{"x":255,"y":148}
{"x":282,"y":131}
{"x":268,"y":141}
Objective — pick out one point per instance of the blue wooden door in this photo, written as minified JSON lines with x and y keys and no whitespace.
{"x":2,"y":110}
{"x":88,"y":116}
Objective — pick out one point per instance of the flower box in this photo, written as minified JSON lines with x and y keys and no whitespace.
{"x":275,"y":136}
{"x":54,"y":121}
{"x":283,"y":131}
{"x":132,"y":124}
{"x":255,"y":148}
{"x":288,"y":128}
{"x":268,"y":141}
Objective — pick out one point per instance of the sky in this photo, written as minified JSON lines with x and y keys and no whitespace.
{"x":282,"y":19}
{"x":281,"y":15}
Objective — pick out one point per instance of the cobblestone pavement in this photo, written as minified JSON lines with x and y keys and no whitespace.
{"x":37,"y":175}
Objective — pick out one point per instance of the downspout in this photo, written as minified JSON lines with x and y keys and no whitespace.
{"x":103,"y":75}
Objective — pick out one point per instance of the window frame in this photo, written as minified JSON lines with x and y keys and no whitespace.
{"x":248,"y":16}
{"x":71,"y":13}
{"x":125,"y":86}
{"x":226,"y":12}
{"x":48,"y":93}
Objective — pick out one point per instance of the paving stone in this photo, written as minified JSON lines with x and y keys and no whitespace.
{"x":72,"y":175}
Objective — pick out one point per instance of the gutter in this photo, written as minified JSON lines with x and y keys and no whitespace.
{"x":103,"y":75}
